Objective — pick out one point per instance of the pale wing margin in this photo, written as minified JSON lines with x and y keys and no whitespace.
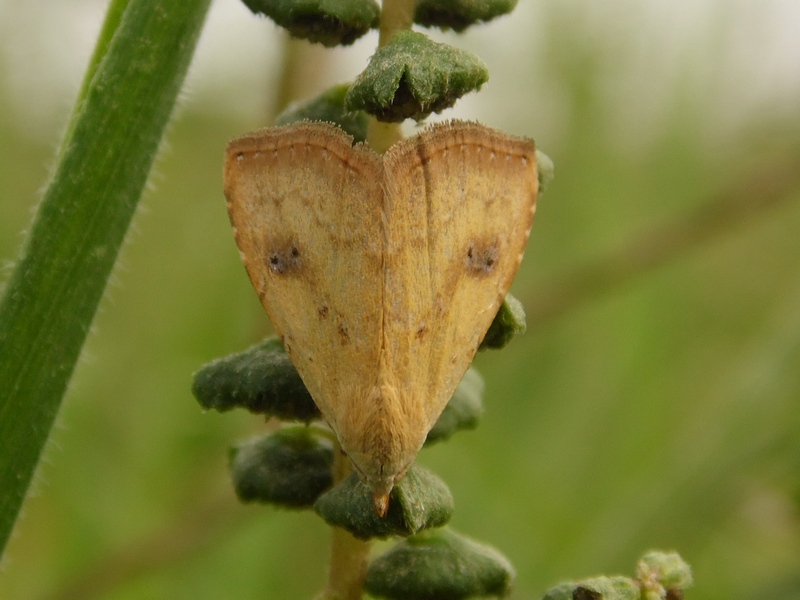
{"x":306,"y":211}
{"x":480,"y":187}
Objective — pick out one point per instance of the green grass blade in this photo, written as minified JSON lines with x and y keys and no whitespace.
{"x":116,"y":9}
{"x":54,"y":290}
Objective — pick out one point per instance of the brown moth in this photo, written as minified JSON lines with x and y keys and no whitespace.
{"x":381,"y":274}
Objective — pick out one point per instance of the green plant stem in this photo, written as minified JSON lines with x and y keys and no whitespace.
{"x":116,"y":9}
{"x":381,"y":136}
{"x":395,"y":16}
{"x":54,"y":290}
{"x":303,"y":65}
{"x":349,"y":556}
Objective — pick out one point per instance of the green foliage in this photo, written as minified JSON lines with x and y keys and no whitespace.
{"x":508,"y":323}
{"x":659,"y":576}
{"x":718,"y":365}
{"x":50,"y":301}
{"x":598,"y":588}
{"x":288,"y":468}
{"x":329,"y":106}
{"x":545,"y":170}
{"x":261,"y":379}
{"x":662,"y":573}
{"x":462,"y":412}
{"x":563,"y":591}
{"x":439,"y":565}
{"x":413,"y":76}
{"x":327,"y":22}
{"x":687,"y":348}
{"x":459,"y":14}
{"x":421,"y":500}
{"x":607,"y":588}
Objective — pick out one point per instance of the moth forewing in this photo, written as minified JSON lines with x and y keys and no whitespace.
{"x":462,"y":198}
{"x":381,"y":274}
{"x":302,"y":202}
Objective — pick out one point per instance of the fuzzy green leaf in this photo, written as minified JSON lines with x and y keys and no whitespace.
{"x":659,"y":571}
{"x":563,"y":591}
{"x":597,"y":588}
{"x":439,"y":565}
{"x":545,"y":171}
{"x":261,"y":379}
{"x":463,"y":411}
{"x":329,"y":106}
{"x":508,"y":322}
{"x":326,"y":22}
{"x":50,"y":300}
{"x":607,"y":588}
{"x":420,"y":501}
{"x":459,"y":14}
{"x":413,"y":76}
{"x":291,"y":467}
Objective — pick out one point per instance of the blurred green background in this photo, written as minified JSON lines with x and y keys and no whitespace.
{"x":653,"y":402}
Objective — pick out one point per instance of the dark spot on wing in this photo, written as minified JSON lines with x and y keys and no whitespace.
{"x":482,"y":257}
{"x":284,"y":259}
{"x":343,"y":334}
{"x":323,"y":311}
{"x":423,"y":329}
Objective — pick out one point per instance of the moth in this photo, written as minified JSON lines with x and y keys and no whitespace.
{"x":381,"y":274}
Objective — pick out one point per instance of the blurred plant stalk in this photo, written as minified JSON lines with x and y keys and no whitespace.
{"x":111,"y":143}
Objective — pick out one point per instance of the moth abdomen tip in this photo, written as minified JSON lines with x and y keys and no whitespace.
{"x":381,"y":503}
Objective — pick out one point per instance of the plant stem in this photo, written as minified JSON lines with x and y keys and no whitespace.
{"x":303,"y":65}
{"x":116,"y":9}
{"x":395,"y":16}
{"x":381,"y":136}
{"x":349,"y":556}
{"x":49,"y":303}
